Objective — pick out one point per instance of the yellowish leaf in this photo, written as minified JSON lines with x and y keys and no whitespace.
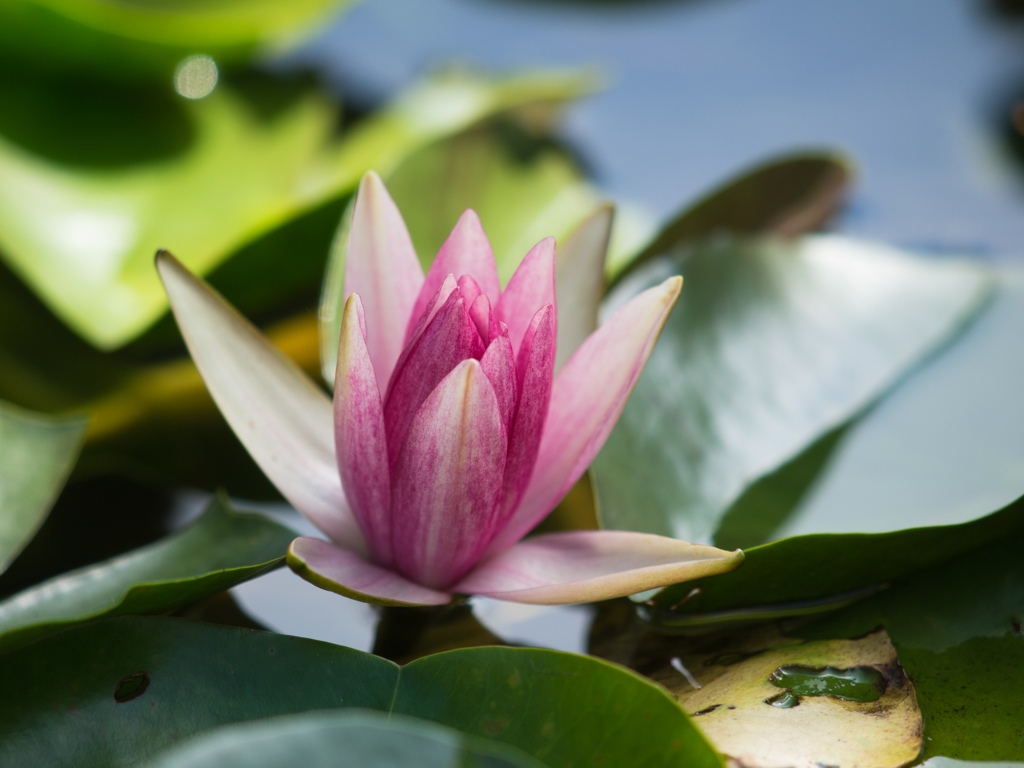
{"x":742,"y":712}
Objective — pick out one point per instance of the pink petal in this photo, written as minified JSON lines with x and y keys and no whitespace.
{"x":586,"y":400}
{"x":436,"y":304}
{"x":433,"y":307}
{"x":381,"y":266}
{"x":486,"y":323}
{"x":448,"y":479}
{"x":531,"y":287}
{"x":467,"y":251}
{"x":282,"y":418}
{"x":359,"y":435}
{"x":470,"y":289}
{"x":500,"y":367}
{"x":449,"y":339}
{"x":584,"y":566}
{"x":579,"y":281}
{"x":535,"y":369}
{"x":348,"y":574}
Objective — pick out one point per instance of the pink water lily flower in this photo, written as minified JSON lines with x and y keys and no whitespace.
{"x":449,"y":437}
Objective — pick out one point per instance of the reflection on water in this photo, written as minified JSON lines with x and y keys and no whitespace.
{"x":560,"y":627}
{"x":284,"y":603}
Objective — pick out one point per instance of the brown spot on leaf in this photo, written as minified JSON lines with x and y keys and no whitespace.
{"x":496,"y":726}
{"x":131,"y":687}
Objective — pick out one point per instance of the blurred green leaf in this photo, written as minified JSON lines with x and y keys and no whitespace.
{"x":118,"y":691}
{"x":217,"y":551}
{"x":522,"y":189}
{"x":134,"y":39}
{"x":84,"y":238}
{"x":36,"y":455}
{"x":342,"y":739}
{"x":957,"y":626}
{"x":811,"y":573}
{"x":149,"y":418}
{"x":773,"y":343}
{"x":785,"y":196}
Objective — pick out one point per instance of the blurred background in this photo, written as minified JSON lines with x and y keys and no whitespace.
{"x":233,"y":134}
{"x":923,"y":96}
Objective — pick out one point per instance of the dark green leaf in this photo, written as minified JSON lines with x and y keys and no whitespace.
{"x":563,"y":709}
{"x":813,"y":572}
{"x":958,"y":629}
{"x":785,"y":196}
{"x":342,"y":739}
{"x":36,"y":455}
{"x":217,"y":551}
{"x":772,"y":344}
{"x":117,"y":691}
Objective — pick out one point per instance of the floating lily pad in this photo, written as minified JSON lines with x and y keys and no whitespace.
{"x":342,"y":739}
{"x":772,"y":344}
{"x":775,"y":703}
{"x":36,"y":455}
{"x":84,"y":238}
{"x":217,"y":551}
{"x":901,"y":465}
{"x":121,"y":690}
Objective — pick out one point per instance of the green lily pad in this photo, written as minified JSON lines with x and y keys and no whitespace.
{"x":342,"y":739}
{"x":785,"y":196}
{"x":958,"y":629}
{"x":121,"y":690}
{"x":900,"y":466}
{"x":772,"y":344}
{"x":135,"y":39}
{"x":523,"y":189}
{"x":84,"y":238}
{"x":220,"y":549}
{"x":36,"y":455}
{"x":817,"y":572}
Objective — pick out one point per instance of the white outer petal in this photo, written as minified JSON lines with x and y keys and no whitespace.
{"x":579,"y":281}
{"x":283,"y":419}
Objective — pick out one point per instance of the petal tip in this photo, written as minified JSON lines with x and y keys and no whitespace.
{"x":162,"y":255}
{"x":166,"y":262}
